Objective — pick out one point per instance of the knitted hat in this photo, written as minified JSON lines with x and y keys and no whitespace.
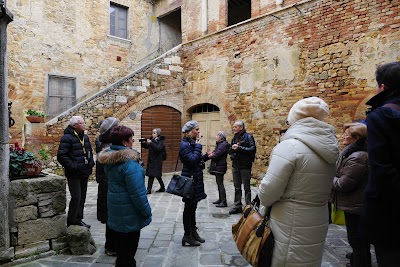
{"x":108,"y":124}
{"x":190,"y":125}
{"x":308,"y":107}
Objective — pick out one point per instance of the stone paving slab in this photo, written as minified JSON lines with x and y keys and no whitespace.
{"x":160,"y":242}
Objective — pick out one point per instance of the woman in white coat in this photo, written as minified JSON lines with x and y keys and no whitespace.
{"x":297,"y":185}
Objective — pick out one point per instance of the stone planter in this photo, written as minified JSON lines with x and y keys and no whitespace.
{"x":35,"y":119}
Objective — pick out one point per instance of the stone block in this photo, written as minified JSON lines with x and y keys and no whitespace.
{"x":176,"y":68}
{"x":42,"y":229}
{"x":145,"y":82}
{"x":58,"y":243}
{"x":80,"y":240}
{"x":161,"y":71}
{"x":31,"y":249}
{"x":51,"y":204}
{"x":6,"y":255}
{"x":167,"y":60}
{"x":26,"y":213}
{"x":176,"y":60}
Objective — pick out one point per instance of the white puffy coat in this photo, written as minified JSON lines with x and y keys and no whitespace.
{"x":297,"y":185}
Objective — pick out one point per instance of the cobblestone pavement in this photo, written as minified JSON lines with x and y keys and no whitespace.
{"x":160,"y":242}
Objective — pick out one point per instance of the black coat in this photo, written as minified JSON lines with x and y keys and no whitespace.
{"x":190,"y":155}
{"x":101,"y":179}
{"x":381,"y":214}
{"x":244,"y":156}
{"x":72,"y":157}
{"x":154,"y":160}
{"x":218,"y":159}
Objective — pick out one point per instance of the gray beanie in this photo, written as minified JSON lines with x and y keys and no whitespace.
{"x":190,"y":125}
{"x":108,"y":124}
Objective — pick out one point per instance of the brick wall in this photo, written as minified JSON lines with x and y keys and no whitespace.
{"x":256,"y":71}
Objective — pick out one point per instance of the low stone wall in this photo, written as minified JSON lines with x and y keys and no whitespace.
{"x":37,"y":216}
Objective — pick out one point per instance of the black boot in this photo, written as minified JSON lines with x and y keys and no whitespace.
{"x":149,"y":185}
{"x":196,"y":236}
{"x":217,"y":201}
{"x":162,"y":186}
{"x":190,"y":240}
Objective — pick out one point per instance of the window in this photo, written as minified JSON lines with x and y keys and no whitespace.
{"x":62,"y":94}
{"x":118,"y":21}
{"x":238,"y":11}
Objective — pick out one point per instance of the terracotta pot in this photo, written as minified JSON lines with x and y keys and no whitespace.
{"x":33,"y":169}
{"x":35,"y":119}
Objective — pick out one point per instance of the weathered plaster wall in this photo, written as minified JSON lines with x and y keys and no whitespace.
{"x":258,"y":70}
{"x":70,"y":38}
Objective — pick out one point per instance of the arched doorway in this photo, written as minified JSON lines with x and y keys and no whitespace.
{"x":169,"y":121}
{"x":209,"y":120}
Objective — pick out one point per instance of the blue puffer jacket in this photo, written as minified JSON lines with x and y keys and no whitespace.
{"x":128,"y":206}
{"x":190,"y":155}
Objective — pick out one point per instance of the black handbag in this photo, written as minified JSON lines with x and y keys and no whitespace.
{"x":180,"y":185}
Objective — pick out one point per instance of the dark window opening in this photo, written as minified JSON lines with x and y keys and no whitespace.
{"x":205,"y":108}
{"x":238,"y":11}
{"x":170,"y":30}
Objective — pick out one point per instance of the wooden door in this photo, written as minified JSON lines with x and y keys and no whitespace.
{"x":169,"y":121}
{"x":209,"y":123}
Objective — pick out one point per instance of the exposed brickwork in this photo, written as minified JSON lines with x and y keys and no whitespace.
{"x":256,"y":71}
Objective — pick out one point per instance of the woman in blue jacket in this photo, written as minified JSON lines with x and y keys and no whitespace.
{"x":128,"y":207}
{"x":193,"y":165}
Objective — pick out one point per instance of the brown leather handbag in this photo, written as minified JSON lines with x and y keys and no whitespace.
{"x":253,"y":237}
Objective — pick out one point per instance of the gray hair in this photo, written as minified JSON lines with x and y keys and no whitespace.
{"x":158,"y":130}
{"x":222,"y":135}
{"x":74,"y":120}
{"x":241,"y":123}
{"x":190,"y":125}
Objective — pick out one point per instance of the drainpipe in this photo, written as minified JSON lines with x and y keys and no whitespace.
{"x":204,"y":16}
{"x":5,"y":18}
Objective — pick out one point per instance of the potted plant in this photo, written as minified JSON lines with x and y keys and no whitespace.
{"x":34,"y":116}
{"x":22,"y":162}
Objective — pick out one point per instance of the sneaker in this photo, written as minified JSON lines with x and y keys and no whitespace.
{"x":217,"y":201}
{"x":161,"y":190}
{"x":235,"y":210}
{"x":222,"y":204}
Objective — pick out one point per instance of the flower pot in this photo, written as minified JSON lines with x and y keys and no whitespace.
{"x":32,"y":169}
{"x":35,"y":119}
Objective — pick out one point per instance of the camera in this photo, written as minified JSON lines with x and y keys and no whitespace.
{"x":141,"y":140}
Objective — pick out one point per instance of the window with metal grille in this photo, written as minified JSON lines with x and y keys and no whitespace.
{"x":205,"y":108}
{"x":118,"y":21}
{"x":62,"y":94}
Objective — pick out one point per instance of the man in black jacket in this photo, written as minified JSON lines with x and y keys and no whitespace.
{"x":76,"y":156}
{"x":242,"y":152}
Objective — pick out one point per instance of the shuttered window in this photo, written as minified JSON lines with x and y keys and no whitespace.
{"x":62,"y":94}
{"x":118,"y":21}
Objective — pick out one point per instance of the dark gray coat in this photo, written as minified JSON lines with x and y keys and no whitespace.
{"x":218,"y":159}
{"x":351,"y":178}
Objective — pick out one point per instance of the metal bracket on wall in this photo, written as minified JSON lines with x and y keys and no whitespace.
{"x":298,"y":9}
{"x":274,"y":16}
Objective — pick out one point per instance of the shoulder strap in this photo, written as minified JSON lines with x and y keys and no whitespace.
{"x":392,"y":106}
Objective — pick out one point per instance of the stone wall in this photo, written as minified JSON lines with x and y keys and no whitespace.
{"x":71,"y":38}
{"x":158,"y":83}
{"x":38,"y":222}
{"x":257,"y":70}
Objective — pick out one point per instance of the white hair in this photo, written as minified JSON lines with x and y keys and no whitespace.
{"x":74,"y":120}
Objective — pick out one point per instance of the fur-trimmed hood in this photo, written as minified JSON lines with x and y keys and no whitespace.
{"x":117,"y":154}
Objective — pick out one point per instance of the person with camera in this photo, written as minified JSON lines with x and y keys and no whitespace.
{"x":156,"y":146}
{"x":242,"y":153}
{"x":193,"y":165}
